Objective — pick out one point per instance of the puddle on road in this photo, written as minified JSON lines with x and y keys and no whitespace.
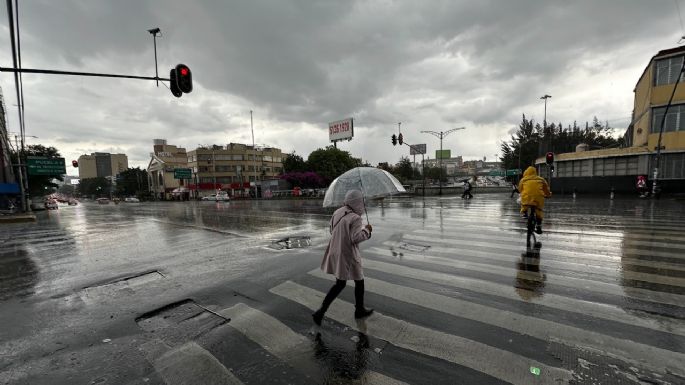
{"x":413,"y":247}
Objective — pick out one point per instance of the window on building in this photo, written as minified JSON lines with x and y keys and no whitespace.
{"x":204,"y":157}
{"x":666,"y":70}
{"x":237,"y":157}
{"x":206,"y":179}
{"x":675,"y":119}
{"x":204,"y":169}
{"x":268,"y":158}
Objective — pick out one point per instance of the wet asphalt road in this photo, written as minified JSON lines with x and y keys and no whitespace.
{"x":191,"y":293}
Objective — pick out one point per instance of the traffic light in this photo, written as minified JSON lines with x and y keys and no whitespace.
{"x":394,"y":139}
{"x":184,"y":78}
{"x":400,"y":139}
{"x":74,"y":163}
{"x":173,"y":84}
{"x":550,"y":157}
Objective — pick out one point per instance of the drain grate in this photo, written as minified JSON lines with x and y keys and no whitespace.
{"x":413,"y":247}
{"x":291,"y":243}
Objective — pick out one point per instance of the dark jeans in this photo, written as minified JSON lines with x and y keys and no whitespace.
{"x":466,"y":192}
{"x":338,"y":288}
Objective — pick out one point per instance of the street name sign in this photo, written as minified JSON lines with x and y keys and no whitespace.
{"x":41,"y":165}
{"x":182,"y":173}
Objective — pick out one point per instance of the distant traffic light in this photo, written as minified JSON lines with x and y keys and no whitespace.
{"x":74,"y":163}
{"x":400,"y":139}
{"x":173,"y":84}
{"x":184,"y":78}
{"x":550,"y":157}
{"x":394,"y":139}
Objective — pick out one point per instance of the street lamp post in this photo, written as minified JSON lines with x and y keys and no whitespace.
{"x":544,"y":130}
{"x":441,"y":135}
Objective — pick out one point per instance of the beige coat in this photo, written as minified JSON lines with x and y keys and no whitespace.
{"x":342,"y":257}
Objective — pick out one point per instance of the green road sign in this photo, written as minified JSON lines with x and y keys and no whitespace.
{"x":182,"y":173}
{"x":445,"y":154}
{"x":41,"y":165}
{"x":513,"y":172}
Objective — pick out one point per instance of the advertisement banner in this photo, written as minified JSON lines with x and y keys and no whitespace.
{"x":341,"y":130}
{"x":417,"y":149}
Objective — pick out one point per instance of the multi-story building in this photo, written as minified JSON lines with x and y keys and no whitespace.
{"x":451,"y":165}
{"x":161,"y":179}
{"x":9,"y":189}
{"x":618,"y":168}
{"x":233,"y":167}
{"x":101,"y":165}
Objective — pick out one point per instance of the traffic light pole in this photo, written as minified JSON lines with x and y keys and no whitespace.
{"x":74,"y":73}
{"x":441,"y":135}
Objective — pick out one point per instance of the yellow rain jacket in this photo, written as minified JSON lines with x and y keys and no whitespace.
{"x":534,"y":190}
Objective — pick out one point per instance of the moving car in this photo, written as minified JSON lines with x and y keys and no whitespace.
{"x":51,"y":204}
{"x":132,"y":200}
{"x":103,"y":201}
{"x":217,"y":198}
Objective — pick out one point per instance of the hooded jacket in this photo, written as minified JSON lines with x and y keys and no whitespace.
{"x":342,"y":257}
{"x":533,"y":188}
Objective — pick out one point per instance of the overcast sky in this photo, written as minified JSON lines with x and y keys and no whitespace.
{"x":432,"y":65}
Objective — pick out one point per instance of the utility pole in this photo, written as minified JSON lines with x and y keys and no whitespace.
{"x":441,"y":135}
{"x":154,"y":32}
{"x":254,"y":156}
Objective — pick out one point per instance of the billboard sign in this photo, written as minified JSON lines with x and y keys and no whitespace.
{"x":40,"y":165}
{"x":443,"y":154}
{"x":417,"y":149}
{"x":341,"y":130}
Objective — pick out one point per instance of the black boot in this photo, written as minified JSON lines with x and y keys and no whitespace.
{"x":332,"y":294}
{"x":360,"y":311}
{"x":538,"y":226}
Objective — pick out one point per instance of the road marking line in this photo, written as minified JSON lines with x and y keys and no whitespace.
{"x":495,"y":362}
{"x":284,"y":343}
{"x":191,"y":364}
{"x":572,"y":336}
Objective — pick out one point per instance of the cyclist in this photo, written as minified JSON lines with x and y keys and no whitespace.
{"x":534,"y":190}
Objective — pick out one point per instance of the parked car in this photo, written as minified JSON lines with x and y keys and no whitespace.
{"x":132,"y":200}
{"x":51,"y":204}
{"x":73,"y":202}
{"x":103,"y":201}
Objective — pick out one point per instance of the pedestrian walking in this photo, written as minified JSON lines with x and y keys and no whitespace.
{"x":514,"y":189}
{"x":342,"y":257}
{"x":467,"y":190}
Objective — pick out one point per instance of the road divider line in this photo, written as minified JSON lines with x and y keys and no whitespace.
{"x":498,"y":363}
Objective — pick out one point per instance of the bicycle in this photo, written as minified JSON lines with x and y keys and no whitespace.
{"x":530,"y":227}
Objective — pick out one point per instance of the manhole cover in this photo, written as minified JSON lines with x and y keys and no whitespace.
{"x":413,"y":247}
{"x":185,"y":315}
{"x":291,"y":243}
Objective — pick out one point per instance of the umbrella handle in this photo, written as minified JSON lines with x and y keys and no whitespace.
{"x":363,"y":199}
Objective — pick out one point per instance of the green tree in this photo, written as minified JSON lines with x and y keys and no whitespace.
{"x":294,"y":163}
{"x":331,"y":162}
{"x":39,"y":185}
{"x":132,"y":182}
{"x":94,"y":187}
{"x":404,"y":170}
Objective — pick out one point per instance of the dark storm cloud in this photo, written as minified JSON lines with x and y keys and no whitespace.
{"x":431,"y":65}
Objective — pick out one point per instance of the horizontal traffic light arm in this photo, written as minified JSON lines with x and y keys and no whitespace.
{"x":72,"y":73}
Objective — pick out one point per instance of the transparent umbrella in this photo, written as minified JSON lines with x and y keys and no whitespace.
{"x":372,"y":182}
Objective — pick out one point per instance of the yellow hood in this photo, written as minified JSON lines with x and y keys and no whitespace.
{"x":530,"y":172}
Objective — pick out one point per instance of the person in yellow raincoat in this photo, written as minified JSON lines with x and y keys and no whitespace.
{"x":534,"y":190}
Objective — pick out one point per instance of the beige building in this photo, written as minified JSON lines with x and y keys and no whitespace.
{"x":101,"y":165}
{"x":161,"y":179}
{"x":233,"y":167}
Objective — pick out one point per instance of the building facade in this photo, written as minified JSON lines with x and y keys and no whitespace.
{"x":232,"y":167}
{"x":9,"y":188}
{"x":618,"y":169}
{"x":101,"y":165}
{"x":161,"y":180}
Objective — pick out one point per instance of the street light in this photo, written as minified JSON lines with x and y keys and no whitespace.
{"x":544,"y":120}
{"x":154,"y":32}
{"x":441,"y":135}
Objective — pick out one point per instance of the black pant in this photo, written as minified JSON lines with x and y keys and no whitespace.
{"x":338,"y":288}
{"x":513,"y":192}
{"x":466,"y":192}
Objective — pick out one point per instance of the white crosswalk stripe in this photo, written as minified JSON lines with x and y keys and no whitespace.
{"x":531,"y":326}
{"x":452,"y":348}
{"x":281,"y":341}
{"x":191,"y":364}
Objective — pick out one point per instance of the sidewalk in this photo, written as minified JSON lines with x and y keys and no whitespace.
{"x":17,"y":218}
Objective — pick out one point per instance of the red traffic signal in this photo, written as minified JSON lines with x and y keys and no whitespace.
{"x":549,"y":157}
{"x":74,"y":163}
{"x":394,"y":139}
{"x":400,"y":139}
{"x":184,"y":78}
